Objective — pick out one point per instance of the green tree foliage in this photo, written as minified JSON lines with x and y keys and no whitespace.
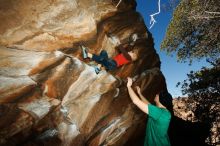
{"x":194,"y":31}
{"x":170,"y":5}
{"x":203,"y":89}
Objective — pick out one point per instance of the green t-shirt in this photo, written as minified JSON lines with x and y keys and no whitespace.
{"x":157,"y":126}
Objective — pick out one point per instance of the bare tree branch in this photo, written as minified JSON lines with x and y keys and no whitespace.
{"x":218,"y":13}
{"x":118,"y":3}
{"x":196,"y":17}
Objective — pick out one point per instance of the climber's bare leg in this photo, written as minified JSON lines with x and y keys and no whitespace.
{"x":101,"y":67}
{"x":89,"y":55}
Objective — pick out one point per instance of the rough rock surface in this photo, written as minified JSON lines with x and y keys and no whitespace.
{"x":181,"y":109}
{"x":49,"y":95}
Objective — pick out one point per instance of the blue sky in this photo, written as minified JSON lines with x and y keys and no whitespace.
{"x":172,"y":70}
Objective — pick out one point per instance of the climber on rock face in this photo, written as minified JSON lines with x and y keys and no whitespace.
{"x":126,"y":55}
{"x":159,"y":116}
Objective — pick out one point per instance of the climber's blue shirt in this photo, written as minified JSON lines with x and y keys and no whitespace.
{"x":157,"y":126}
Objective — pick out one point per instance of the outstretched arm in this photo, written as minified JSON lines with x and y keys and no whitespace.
{"x":135,"y":99}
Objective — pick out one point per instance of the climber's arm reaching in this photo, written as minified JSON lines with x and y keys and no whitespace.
{"x":135,"y":99}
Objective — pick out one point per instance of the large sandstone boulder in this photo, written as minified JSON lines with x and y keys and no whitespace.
{"x":49,"y":95}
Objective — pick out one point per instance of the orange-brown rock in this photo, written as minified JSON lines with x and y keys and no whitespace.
{"x":49,"y":94}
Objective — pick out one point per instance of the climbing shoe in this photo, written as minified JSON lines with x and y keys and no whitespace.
{"x":84,"y":52}
{"x":97,"y":69}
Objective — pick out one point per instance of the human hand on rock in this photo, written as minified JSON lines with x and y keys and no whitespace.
{"x":156,"y":99}
{"x":129,"y":83}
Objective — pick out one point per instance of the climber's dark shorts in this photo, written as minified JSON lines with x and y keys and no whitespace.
{"x":103,"y":59}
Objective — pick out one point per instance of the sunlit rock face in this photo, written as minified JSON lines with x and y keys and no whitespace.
{"x":49,"y":95}
{"x":181,"y":109}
